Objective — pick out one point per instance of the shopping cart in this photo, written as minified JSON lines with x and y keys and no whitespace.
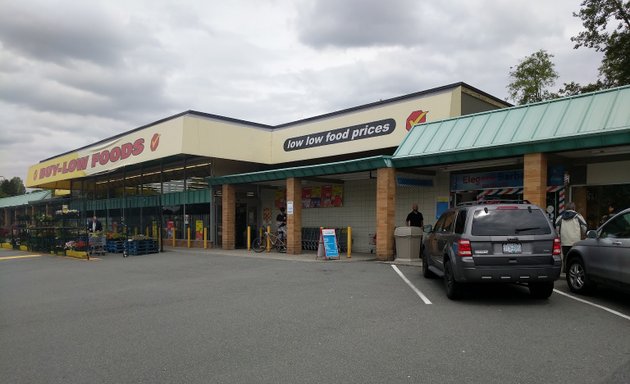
{"x":96,"y":243}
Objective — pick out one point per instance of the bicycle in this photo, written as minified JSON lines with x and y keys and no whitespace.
{"x":260,"y":243}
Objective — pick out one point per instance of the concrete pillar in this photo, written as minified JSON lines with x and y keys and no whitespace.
{"x":294,"y":221}
{"x":385,"y":213}
{"x":535,"y":179}
{"x":228,"y":207}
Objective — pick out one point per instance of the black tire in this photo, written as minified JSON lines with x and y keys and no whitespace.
{"x":453,"y":288}
{"x":577,"y":280}
{"x":426,"y":272}
{"x":541,"y":290}
{"x":281,"y":246}
{"x":259,"y":245}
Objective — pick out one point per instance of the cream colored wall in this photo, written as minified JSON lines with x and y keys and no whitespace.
{"x":168,"y":138}
{"x":438,"y":106}
{"x":426,"y":197}
{"x":216,"y":138}
{"x":608,"y":173}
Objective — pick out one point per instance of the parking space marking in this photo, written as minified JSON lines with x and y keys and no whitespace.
{"x":416,"y":290}
{"x":18,"y":257}
{"x":593,"y":304}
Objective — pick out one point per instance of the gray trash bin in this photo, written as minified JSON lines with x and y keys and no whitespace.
{"x":408,"y":241}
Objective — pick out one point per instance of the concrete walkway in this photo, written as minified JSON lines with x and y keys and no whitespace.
{"x":305,"y":256}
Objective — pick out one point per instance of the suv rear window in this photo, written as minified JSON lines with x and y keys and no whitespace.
{"x":509,"y":222}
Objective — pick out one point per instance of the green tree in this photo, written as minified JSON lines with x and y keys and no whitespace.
{"x":12,"y":187}
{"x":599,"y":18}
{"x":531,"y":77}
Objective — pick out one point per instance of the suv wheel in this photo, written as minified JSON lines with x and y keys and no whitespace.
{"x":425,"y":267}
{"x":541,"y":290}
{"x":453,"y":288}
{"x":576,"y":276}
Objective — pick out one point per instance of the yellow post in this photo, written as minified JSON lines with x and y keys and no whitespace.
{"x":349,"y":242}
{"x":147,"y":230}
{"x":249,"y":238}
{"x":188,"y":234}
{"x":268,"y":239}
{"x":205,"y":237}
{"x":173,"y":237}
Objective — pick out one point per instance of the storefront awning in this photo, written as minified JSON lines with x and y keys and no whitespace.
{"x":592,"y":120}
{"x":16,"y":201}
{"x":350,"y":166}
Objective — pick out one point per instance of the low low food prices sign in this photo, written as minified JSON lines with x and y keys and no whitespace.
{"x":116,"y":153}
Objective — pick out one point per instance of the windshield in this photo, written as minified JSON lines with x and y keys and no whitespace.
{"x":510,"y":222}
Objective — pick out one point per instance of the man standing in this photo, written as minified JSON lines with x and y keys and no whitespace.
{"x":571,"y":227}
{"x":281,"y":222}
{"x":414,"y":218}
{"x":94,"y":225}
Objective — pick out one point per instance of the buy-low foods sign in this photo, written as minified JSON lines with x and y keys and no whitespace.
{"x":113,"y":154}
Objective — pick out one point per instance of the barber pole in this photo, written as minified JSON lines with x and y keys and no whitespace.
{"x":560,"y":190}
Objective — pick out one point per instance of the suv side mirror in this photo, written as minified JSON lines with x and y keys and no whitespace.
{"x":592,"y":234}
{"x":427,"y":228}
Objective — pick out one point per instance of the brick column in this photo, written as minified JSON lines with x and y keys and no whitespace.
{"x":535,"y":179}
{"x":228,"y":217}
{"x":385,"y":213}
{"x":294,"y":221}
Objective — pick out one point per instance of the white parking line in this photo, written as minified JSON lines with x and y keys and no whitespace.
{"x":416,"y":290}
{"x":593,"y":304}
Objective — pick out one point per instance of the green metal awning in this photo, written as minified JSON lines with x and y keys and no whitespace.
{"x":16,"y":201}
{"x":584,"y":121}
{"x":349,"y":166}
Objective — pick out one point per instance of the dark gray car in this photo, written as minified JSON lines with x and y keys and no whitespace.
{"x":493,"y":243}
{"x":603,"y":257}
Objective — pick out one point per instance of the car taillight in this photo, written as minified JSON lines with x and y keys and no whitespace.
{"x":557,"y":247}
{"x":463,"y":248}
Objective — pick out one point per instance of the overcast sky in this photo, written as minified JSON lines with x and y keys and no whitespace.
{"x":74,"y":72}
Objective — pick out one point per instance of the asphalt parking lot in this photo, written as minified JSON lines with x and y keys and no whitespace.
{"x":193,"y":317}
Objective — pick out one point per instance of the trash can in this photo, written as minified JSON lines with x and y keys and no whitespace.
{"x":408,"y":241}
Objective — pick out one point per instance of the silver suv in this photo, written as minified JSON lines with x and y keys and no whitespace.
{"x":493,"y":242}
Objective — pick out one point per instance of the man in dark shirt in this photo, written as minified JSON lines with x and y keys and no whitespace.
{"x":414,"y":218}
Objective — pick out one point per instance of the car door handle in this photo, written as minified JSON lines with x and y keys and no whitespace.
{"x":616,"y":242}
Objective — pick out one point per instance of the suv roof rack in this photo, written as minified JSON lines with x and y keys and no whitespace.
{"x":492,"y":201}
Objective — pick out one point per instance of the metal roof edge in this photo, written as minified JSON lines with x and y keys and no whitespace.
{"x":584,"y":141}
{"x":516,"y":107}
{"x":348,"y":166}
{"x":14,"y":201}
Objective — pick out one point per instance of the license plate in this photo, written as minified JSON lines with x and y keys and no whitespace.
{"x":512,"y":248}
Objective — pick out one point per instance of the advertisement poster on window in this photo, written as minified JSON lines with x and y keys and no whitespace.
{"x":199,"y":229}
{"x":280,"y":199}
{"x":322,"y":197}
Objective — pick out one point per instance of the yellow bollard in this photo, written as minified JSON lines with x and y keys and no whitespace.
{"x":205,"y":237}
{"x":349,"y":242}
{"x":147,"y":230}
{"x":173,"y":237}
{"x":188,"y":237}
{"x":249,"y":238}
{"x":268,"y":239}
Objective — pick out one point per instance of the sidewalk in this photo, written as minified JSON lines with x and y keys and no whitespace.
{"x":305,"y":256}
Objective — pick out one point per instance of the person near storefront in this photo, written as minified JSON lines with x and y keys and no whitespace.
{"x":611,"y":212}
{"x":571,"y":227}
{"x":281,"y":222}
{"x":414,"y":218}
{"x":94,"y":225}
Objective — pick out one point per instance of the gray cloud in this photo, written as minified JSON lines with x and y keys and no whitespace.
{"x":74,"y":72}
{"x":356,"y":23}
{"x":62,"y":33}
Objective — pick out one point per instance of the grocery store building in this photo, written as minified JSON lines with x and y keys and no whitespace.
{"x":361,"y":168}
